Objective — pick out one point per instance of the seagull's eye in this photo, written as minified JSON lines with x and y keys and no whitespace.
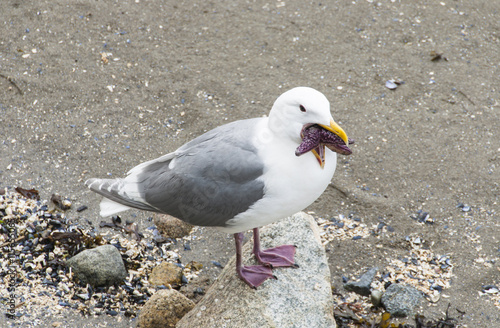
{"x":302,"y":108}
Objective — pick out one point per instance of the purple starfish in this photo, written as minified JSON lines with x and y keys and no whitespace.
{"x":315,"y":138}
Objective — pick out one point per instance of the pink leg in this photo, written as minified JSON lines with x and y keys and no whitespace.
{"x":253,"y":275}
{"x":281,"y":256}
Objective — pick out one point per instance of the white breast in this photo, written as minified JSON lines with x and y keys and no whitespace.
{"x":291,"y":183}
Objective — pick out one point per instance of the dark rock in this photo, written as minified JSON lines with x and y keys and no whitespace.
{"x":101,"y":266}
{"x":82,"y":208}
{"x":217,"y":264}
{"x":362,"y":286}
{"x":400,"y":300}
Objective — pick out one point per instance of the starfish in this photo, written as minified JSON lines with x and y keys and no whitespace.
{"x":315,"y":139}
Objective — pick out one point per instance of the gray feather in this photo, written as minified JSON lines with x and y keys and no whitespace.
{"x":207,"y":182}
{"x":215,"y":177}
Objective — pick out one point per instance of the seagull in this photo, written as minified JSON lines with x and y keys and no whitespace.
{"x":241,"y":176}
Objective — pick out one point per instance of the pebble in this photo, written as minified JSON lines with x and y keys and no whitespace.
{"x":217,"y":264}
{"x":362,"y":286}
{"x":401,"y":300}
{"x":100,"y":266}
{"x":376,"y":298}
{"x":81,"y":208}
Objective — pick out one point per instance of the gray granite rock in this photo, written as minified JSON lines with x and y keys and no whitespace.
{"x":300,"y":297}
{"x":362,"y":286}
{"x":401,"y":300}
{"x":100,"y":266}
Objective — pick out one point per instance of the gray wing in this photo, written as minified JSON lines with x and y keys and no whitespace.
{"x":206,"y":182}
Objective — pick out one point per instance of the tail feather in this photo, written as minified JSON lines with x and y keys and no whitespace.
{"x":120,"y":195}
{"x":110,"y":208}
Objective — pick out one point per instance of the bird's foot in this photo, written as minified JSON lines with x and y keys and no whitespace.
{"x":255,"y":275}
{"x":281,"y":256}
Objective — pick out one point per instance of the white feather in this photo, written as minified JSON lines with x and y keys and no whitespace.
{"x":109,"y":207}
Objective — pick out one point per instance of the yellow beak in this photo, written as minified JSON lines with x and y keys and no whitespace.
{"x":335,"y":128}
{"x":320,"y":156}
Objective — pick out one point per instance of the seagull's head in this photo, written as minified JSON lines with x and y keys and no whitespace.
{"x":301,"y":108}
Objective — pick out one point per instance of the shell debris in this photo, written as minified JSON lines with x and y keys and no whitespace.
{"x":36,"y":241}
{"x":421,"y":268}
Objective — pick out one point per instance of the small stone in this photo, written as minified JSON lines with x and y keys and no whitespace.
{"x":217,"y":264}
{"x":100,"y":266}
{"x":362,"y":286}
{"x":376,"y":298}
{"x":166,"y":274}
{"x":56,"y":323}
{"x":164,"y":309}
{"x":400,"y":300}
{"x":82,"y":208}
{"x":171,"y":227}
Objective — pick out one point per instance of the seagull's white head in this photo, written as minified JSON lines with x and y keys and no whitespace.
{"x":301,"y":107}
{"x":298,"y":109}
